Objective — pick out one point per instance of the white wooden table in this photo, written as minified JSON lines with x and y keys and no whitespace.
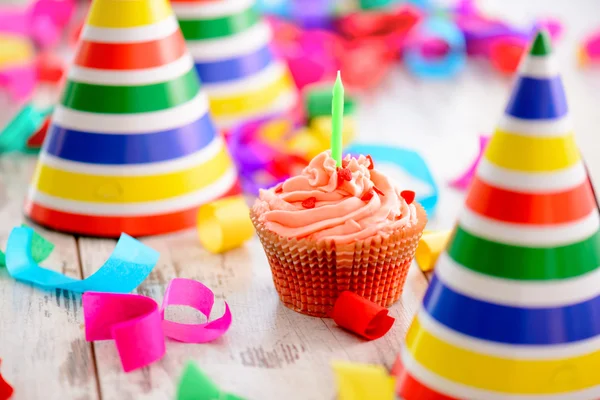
{"x":270,"y":352}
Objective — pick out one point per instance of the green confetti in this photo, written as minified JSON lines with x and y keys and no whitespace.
{"x":40,"y":249}
{"x":196,"y":385}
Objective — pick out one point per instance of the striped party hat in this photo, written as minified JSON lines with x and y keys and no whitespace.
{"x":131,"y":147}
{"x":513,"y":309}
{"x":229,"y":42}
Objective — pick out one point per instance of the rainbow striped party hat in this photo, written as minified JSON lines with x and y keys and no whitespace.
{"x":513,"y":309}
{"x":229,"y":42}
{"x":131,"y":147}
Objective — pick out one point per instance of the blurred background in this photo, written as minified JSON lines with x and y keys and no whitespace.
{"x":423,"y":76}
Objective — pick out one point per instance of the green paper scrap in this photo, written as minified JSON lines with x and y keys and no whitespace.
{"x":317,"y":102}
{"x":27,"y":121}
{"x":374,"y":4}
{"x":337,"y":120}
{"x":40,"y":249}
{"x":196,"y":385}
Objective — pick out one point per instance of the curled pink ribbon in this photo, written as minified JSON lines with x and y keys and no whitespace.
{"x":138,"y":327}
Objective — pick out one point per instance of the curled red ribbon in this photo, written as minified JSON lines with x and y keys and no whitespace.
{"x":361,"y":316}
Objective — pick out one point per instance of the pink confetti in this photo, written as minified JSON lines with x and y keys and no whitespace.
{"x":464,"y":180}
{"x":138,"y":327}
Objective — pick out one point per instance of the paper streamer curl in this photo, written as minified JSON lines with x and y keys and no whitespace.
{"x":224,"y":224}
{"x":138,"y":327}
{"x":445,"y":66}
{"x":127,"y":267}
{"x":361,"y":316}
{"x":431,"y":245}
{"x":129,"y":264}
{"x":465,"y":179}
{"x":40,"y":249}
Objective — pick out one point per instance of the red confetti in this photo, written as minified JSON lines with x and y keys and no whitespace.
{"x":408,"y":195}
{"x":37,"y":139}
{"x":361,"y":316}
{"x":50,"y":68}
{"x":6,"y":390}
{"x":310,"y":202}
{"x":379,"y":192}
{"x":368,"y":196}
{"x":506,"y":54}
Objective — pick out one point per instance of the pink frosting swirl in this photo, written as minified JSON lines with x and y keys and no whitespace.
{"x":343,"y":213}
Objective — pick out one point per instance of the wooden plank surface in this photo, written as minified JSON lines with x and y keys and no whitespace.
{"x":270,"y":352}
{"x":42,"y":342}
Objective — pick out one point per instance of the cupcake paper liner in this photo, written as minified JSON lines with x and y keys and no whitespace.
{"x":310,"y":275}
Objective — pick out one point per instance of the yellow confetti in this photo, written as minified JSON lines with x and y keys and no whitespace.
{"x":363,"y":381}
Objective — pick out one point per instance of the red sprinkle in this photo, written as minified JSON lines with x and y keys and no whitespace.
{"x":345,"y":174}
{"x":345,"y":163}
{"x":279,"y":188}
{"x":408,"y":195}
{"x":368,"y":196}
{"x":379,"y":192}
{"x":310,"y":202}
{"x":371,"y":161}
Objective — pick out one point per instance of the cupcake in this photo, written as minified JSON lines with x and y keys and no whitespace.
{"x":333,"y":229}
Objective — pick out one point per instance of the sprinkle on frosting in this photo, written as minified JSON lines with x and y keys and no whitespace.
{"x":371,"y":163}
{"x":310,"y":202}
{"x":408,"y":195}
{"x":312,"y":205}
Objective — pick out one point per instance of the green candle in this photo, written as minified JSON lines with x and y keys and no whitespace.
{"x":337,"y":120}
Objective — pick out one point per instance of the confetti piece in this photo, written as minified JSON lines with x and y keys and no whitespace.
{"x":129,"y":264}
{"x":196,"y":385}
{"x":506,"y":54}
{"x":430,"y":246}
{"x":138,"y":327}
{"x":36,"y":140}
{"x":15,"y":50}
{"x":40,"y":249}
{"x":186,"y":292}
{"x":224,"y":224}
{"x":363,"y":381}
{"x":464,"y":180}
{"x":361,"y":316}
{"x":445,"y":66}
{"x":25,"y":123}
{"x":317,"y":102}
{"x":321,"y":127}
{"x":6,"y":391}
{"x":306,"y":143}
{"x":50,"y":68}
{"x":131,"y":320}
